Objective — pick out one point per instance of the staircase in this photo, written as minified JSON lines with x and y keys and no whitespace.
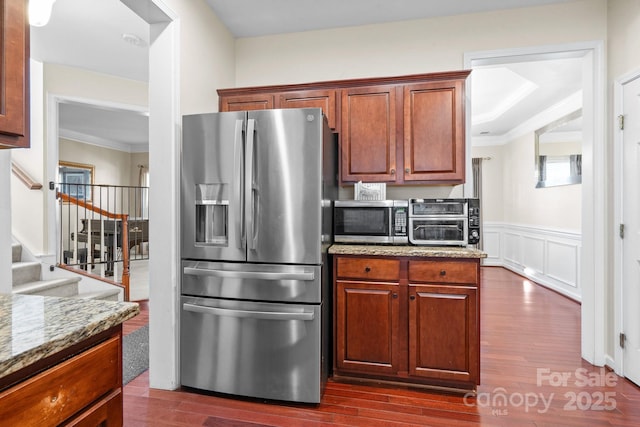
{"x":27,"y":279}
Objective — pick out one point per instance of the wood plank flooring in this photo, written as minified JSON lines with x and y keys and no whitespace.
{"x":532,"y":375}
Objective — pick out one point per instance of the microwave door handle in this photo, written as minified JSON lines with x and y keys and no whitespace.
{"x":248,"y":183}
{"x":237,"y":169}
{"x":262,"y":315}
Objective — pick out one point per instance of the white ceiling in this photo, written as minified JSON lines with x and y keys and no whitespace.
{"x":289,"y":16}
{"x":89,"y":35}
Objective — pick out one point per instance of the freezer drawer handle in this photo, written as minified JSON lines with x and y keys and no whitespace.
{"x":265,"y":315}
{"x":249,"y":274}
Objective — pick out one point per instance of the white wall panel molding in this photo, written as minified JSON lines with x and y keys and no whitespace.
{"x":550,"y":257}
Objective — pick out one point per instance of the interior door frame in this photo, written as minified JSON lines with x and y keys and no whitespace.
{"x":594,"y":254}
{"x":618,"y":261}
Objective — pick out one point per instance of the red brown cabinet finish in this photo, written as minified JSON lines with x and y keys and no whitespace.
{"x":398,"y":130}
{"x":14,"y":81}
{"x":408,"y":320}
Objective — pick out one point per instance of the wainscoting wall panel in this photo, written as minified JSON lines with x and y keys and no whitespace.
{"x":533,"y":253}
{"x":549,"y":257}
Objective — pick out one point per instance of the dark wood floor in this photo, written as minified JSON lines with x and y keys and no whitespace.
{"x":530,"y":340}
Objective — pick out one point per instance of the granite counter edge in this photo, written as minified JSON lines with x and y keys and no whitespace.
{"x":408,"y":251}
{"x":125,"y":312}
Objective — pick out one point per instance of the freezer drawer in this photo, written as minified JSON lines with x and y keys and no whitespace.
{"x":254,"y":349}
{"x":258,"y":282}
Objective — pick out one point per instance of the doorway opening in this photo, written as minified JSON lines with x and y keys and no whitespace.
{"x":592,"y":252}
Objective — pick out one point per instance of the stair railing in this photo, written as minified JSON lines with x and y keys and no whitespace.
{"x":112,"y":217}
{"x":24,"y":177}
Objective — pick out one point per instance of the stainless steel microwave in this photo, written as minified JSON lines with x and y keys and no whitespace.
{"x":359,"y":221}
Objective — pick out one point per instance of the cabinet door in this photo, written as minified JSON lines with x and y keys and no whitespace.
{"x":325,"y":99}
{"x":247,"y":102}
{"x":443,"y":333}
{"x":368,"y":134}
{"x":367,"y":327}
{"x":434,"y":139}
{"x":14,"y":57}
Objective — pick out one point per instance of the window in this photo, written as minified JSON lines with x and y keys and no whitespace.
{"x":76,"y":179}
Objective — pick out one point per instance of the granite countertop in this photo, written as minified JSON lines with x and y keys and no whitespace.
{"x":407,"y":250}
{"x":33,"y":327}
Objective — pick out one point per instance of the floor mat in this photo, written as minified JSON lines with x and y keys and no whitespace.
{"x":135,"y":354}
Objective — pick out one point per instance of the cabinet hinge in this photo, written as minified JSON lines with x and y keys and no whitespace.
{"x":623,"y":338}
{"x":621,"y":121}
{"x":621,"y":232}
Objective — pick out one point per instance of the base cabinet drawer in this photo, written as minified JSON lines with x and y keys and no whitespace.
{"x":444,"y":272}
{"x":368,"y":269}
{"x":89,"y":381}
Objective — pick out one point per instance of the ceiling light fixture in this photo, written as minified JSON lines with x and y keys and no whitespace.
{"x":134,"y":40}
{"x":40,"y":12}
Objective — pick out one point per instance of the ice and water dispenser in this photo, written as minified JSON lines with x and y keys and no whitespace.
{"x":212,"y":214}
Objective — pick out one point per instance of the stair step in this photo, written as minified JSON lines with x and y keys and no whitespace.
{"x":105,"y":295}
{"x":25,"y":272}
{"x":64,"y":287}
{"x":16,"y":252}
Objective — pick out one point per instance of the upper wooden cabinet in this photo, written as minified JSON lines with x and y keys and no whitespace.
{"x":325,"y":99}
{"x":266,"y":99}
{"x":247,"y":102}
{"x":368,"y":134}
{"x":14,"y":84}
{"x":407,"y":129}
{"x":434,"y":142}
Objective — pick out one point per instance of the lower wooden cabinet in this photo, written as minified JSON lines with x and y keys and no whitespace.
{"x":408,"y":319}
{"x":443,"y":333}
{"x":368,"y":312}
{"x":82,"y":390}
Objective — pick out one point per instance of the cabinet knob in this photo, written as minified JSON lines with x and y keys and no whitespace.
{"x":394,"y":295}
{"x":407,"y":170}
{"x":412,"y":297}
{"x":367,"y":269}
{"x":443,"y":272}
{"x":393,"y":171}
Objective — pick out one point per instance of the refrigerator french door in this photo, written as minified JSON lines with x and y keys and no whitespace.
{"x":252,"y":186}
{"x":256,"y":223}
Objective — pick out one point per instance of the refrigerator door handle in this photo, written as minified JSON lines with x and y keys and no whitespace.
{"x":293,"y":275}
{"x":248,"y":183}
{"x":238,"y":199}
{"x":264,"y":315}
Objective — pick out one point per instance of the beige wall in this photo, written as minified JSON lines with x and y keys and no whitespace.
{"x":207,"y":56}
{"x":524,"y":204}
{"x":509,"y":193}
{"x":111,"y":167}
{"x":411,"y":47}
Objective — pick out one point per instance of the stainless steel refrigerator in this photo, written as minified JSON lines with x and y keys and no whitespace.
{"x":256,"y":222}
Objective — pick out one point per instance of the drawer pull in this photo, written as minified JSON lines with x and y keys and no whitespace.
{"x":443,"y":272}
{"x":367,"y":269}
{"x":394,"y":295}
{"x":412,"y":297}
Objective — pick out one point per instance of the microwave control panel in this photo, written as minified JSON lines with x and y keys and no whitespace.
{"x":400,"y":221}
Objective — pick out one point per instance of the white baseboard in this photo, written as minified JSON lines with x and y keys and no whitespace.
{"x":547,"y":256}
